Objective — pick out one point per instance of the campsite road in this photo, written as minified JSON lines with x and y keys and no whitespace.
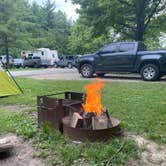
{"x":72,"y":74}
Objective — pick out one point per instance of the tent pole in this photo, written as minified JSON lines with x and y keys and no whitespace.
{"x":15,"y":81}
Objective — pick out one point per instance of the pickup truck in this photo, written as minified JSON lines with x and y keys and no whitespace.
{"x":32,"y":61}
{"x":124,"y":57}
{"x":65,"y":61}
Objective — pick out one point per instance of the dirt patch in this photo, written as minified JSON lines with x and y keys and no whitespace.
{"x":22,"y":154}
{"x":15,"y":108}
{"x":152,"y":154}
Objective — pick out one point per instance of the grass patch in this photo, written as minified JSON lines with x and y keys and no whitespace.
{"x":139,"y":106}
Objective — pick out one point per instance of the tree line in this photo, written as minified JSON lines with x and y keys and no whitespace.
{"x":25,"y":26}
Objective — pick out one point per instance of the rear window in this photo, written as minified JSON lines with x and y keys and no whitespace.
{"x":110,"y":48}
{"x":126,"y":47}
{"x":142,"y":47}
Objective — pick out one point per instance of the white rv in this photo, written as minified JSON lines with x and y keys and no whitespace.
{"x":48,"y":57}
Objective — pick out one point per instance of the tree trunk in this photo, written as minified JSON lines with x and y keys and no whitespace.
{"x":140,"y":17}
{"x":6,"y":51}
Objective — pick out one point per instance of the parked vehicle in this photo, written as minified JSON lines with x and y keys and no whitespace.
{"x":18,"y":62}
{"x":124,"y":57}
{"x":65,"y":61}
{"x":48,"y":57}
{"x":3,"y":59}
{"x":32,"y":61}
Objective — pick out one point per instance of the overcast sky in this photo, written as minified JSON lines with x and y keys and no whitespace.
{"x":66,"y":7}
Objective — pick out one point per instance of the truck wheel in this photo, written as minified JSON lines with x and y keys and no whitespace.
{"x":86,"y":70}
{"x":100,"y":74}
{"x":150,"y":72}
{"x":69,"y":65}
{"x":55,"y":65}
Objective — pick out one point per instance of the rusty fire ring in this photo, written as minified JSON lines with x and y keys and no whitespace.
{"x":82,"y":134}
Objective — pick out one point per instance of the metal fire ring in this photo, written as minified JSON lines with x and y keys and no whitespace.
{"x":81,"y":134}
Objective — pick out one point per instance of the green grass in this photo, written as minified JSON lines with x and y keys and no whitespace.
{"x":141,"y":107}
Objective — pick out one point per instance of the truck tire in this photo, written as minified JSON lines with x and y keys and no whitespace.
{"x":55,"y":65}
{"x":150,"y":72}
{"x":86,"y":70}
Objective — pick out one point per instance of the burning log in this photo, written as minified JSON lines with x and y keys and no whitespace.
{"x":109,"y":119}
{"x":87,"y":120}
{"x":76,"y":120}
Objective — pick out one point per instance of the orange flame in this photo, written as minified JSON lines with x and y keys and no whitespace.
{"x":93,"y":97}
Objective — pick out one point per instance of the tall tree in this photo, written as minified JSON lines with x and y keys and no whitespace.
{"x":82,"y":41}
{"x":130,"y":18}
{"x":12,"y":25}
{"x":48,"y":11}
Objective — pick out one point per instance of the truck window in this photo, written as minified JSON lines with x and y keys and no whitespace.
{"x":71,"y":58}
{"x":142,"y":47}
{"x":36,"y":57}
{"x":110,"y":48}
{"x":126,"y":47}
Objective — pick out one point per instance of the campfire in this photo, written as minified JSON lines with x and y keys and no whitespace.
{"x":92,"y":115}
{"x":78,"y":115}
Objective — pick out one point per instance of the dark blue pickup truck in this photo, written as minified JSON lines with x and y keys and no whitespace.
{"x":124,"y":57}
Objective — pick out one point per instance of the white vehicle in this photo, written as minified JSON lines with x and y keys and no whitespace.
{"x":3,"y":60}
{"x":48,"y":57}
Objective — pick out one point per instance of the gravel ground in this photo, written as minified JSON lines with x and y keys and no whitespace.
{"x":22,"y":154}
{"x":72,"y":74}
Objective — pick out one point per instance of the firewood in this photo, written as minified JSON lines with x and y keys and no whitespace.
{"x":76,"y":120}
{"x":87,"y":120}
{"x":100,"y":122}
{"x":109,"y":119}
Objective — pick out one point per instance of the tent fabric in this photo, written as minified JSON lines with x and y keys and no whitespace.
{"x":7,"y":85}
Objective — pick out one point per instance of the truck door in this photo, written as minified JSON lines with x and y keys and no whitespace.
{"x":116,"y":57}
{"x":126,"y":55}
{"x":106,"y":59}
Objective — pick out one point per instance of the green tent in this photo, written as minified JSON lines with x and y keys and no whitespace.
{"x":7,"y":85}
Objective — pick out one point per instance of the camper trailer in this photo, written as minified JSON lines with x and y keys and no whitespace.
{"x":48,"y":57}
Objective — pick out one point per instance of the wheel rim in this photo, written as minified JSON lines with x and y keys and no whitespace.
{"x":86,"y":71}
{"x":149,"y":72}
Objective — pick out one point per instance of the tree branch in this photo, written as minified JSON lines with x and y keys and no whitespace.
{"x":151,"y":14}
{"x":126,"y":25}
{"x":161,"y":8}
{"x":120,"y":30}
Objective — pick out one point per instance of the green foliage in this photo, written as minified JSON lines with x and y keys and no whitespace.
{"x":130,"y":19}
{"x":28,"y":27}
{"x":82,"y":41}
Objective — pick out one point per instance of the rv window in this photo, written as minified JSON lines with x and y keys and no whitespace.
{"x":42,"y":52}
{"x":53,"y":56}
{"x":30,"y":55}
